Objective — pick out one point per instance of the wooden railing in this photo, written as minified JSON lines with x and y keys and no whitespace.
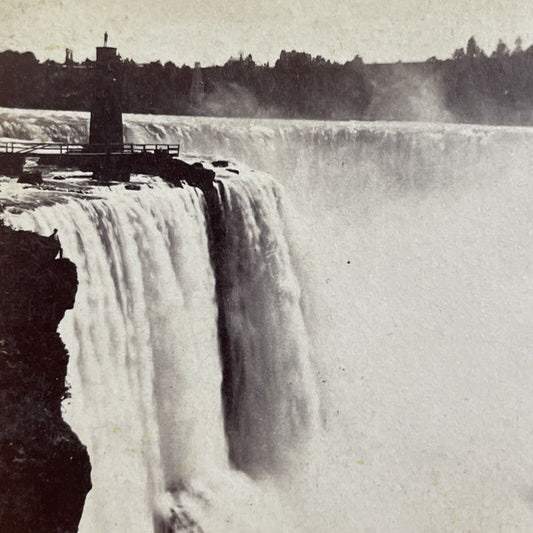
{"x":29,"y":148}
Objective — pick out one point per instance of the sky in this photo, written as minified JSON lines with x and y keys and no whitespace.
{"x":211,"y":31}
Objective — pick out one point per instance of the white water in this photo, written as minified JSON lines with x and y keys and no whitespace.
{"x":264,"y":316}
{"x":419,"y":257}
{"x":145,"y":366}
{"x":142,"y":332}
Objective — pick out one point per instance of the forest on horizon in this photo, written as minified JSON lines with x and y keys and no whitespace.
{"x":471,"y":86}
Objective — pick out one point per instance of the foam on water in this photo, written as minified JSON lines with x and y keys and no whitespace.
{"x":411,"y":245}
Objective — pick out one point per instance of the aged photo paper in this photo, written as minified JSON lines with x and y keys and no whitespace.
{"x":266,"y":266}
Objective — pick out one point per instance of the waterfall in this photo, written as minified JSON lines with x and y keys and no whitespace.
{"x":145,"y":368}
{"x":143,"y":329}
{"x":44,"y":126}
{"x":271,"y":401}
{"x":372,"y":343}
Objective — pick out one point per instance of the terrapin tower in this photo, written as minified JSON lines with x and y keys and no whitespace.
{"x":106,"y":113}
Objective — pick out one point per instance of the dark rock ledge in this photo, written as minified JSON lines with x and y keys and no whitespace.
{"x":44,"y":468}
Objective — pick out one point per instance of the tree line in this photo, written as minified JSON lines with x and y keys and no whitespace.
{"x":472,"y":86}
{"x":298,"y":85}
{"x":495,"y":88}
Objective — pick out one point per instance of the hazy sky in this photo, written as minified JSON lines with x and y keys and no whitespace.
{"x":211,"y":31}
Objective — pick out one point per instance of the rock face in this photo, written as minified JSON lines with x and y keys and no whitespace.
{"x":44,"y":468}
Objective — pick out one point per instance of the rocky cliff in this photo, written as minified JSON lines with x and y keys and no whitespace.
{"x":44,"y":468}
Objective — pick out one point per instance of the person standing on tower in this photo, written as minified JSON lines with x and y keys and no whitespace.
{"x":105,"y":39}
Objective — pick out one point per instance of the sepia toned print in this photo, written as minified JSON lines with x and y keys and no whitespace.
{"x":265,"y":267}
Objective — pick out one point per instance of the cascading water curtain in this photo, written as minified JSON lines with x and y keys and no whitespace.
{"x":145,"y":367}
{"x":273,"y":404}
{"x":144,"y":364}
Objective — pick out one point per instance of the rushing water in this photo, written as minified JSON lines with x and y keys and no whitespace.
{"x":388,"y":316}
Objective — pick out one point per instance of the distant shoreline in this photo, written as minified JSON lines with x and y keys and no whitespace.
{"x":471,"y":87}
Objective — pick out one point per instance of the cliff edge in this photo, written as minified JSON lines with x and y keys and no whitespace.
{"x":44,"y":468}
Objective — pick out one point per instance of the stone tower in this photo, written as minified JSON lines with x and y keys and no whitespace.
{"x":106,"y":112}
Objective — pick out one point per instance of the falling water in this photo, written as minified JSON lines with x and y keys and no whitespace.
{"x":404,"y":275}
{"x":145,"y":366}
{"x":272,"y":400}
{"x":144,"y":370}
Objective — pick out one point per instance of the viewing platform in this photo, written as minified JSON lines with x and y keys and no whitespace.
{"x":106,"y":155}
{"x":36,"y":149}
{"x":113,"y":161}
{"x":106,"y":162}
